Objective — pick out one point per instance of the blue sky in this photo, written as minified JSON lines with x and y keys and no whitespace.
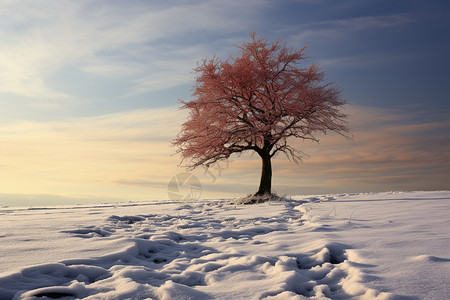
{"x":89,"y":94}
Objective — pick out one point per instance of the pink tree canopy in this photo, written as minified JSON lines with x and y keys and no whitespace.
{"x":257,"y":101}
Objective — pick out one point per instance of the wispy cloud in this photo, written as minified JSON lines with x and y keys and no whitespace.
{"x":364,"y":60}
{"x":391,"y":150}
{"x":109,"y":39}
{"x":363,"y":23}
{"x":342,"y":27}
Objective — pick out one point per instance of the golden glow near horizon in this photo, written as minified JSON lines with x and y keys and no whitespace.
{"x":128,"y":156}
{"x":125,"y":155}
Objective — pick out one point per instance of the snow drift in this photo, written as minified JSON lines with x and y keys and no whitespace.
{"x":362,"y":246}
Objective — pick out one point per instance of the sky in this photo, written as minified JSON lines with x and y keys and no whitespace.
{"x":90,"y":90}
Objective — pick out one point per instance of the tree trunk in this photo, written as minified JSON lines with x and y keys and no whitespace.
{"x":265,"y":185}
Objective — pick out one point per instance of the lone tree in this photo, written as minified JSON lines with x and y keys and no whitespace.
{"x":257,"y":101}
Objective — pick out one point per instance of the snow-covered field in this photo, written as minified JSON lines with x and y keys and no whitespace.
{"x":368,"y":246}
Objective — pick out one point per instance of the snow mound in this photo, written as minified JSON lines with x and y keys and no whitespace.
{"x":255,"y":199}
{"x":430,"y":258}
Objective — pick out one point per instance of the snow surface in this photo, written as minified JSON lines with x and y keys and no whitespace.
{"x":349,"y":246}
